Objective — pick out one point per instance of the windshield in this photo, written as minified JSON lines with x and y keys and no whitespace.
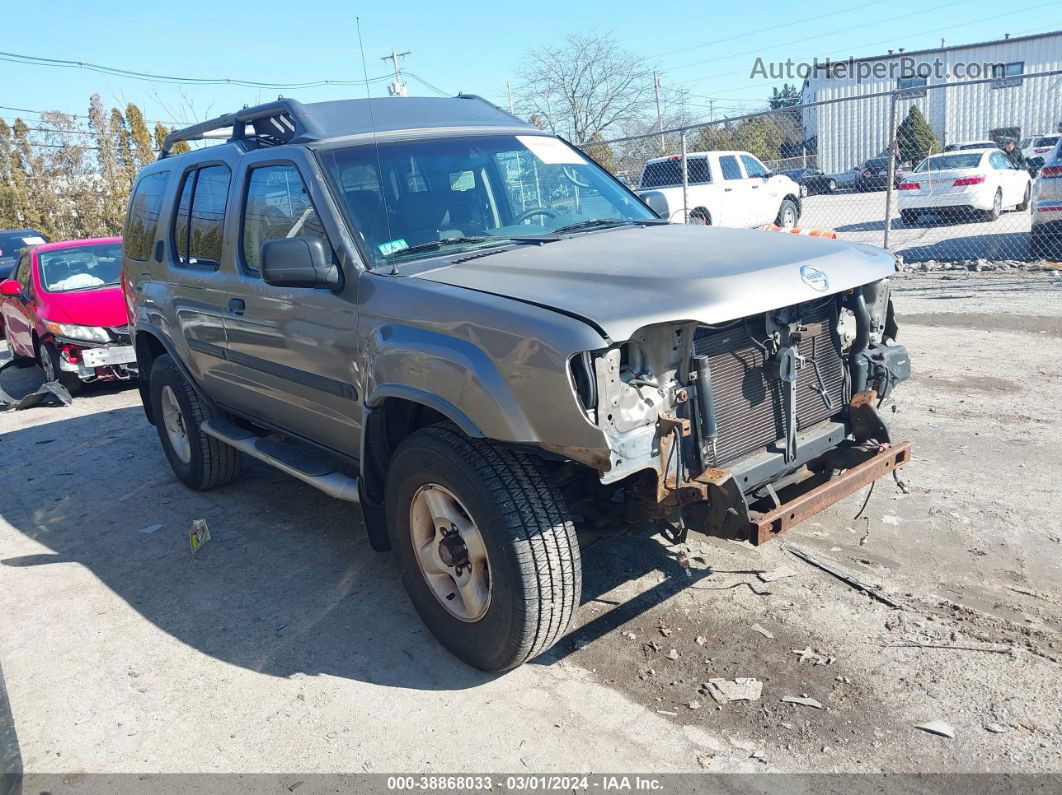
{"x":948,"y":162}
{"x":81,"y":268}
{"x":12,"y":245}
{"x":404,"y":197}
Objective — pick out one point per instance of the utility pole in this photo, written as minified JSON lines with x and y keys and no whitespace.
{"x":509,"y":87}
{"x":397,"y":88}
{"x":659,"y":116}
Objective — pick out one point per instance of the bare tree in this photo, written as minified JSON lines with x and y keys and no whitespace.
{"x":585,"y":87}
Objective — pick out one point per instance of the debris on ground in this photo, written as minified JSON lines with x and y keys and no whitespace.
{"x":151,"y":528}
{"x":802,"y":700}
{"x":776,"y":574}
{"x":667,"y":712}
{"x":630,"y":636}
{"x":809,"y":655}
{"x":995,"y":728}
{"x":893,"y":520}
{"x":694,"y":704}
{"x":665,"y":631}
{"x":701,"y":640}
{"x":653,"y":645}
{"x":844,"y":576}
{"x":705,"y":760}
{"x":723,"y":691}
{"x":766,"y":633}
{"x":581,"y":643}
{"x":673,"y":654}
{"x":199,"y":534}
{"x":937,"y":727}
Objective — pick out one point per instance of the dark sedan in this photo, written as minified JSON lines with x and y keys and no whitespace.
{"x":12,"y":243}
{"x":811,"y":181}
{"x":874,"y":174}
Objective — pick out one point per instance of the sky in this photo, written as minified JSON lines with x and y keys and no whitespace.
{"x":708,"y":49}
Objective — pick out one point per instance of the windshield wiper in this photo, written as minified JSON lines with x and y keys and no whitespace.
{"x":429,"y":245}
{"x":599,"y":222}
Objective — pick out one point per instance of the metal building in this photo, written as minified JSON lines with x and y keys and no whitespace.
{"x":846,"y":133}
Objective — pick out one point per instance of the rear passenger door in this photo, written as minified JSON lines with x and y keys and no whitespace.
{"x":292,"y":351}
{"x":737,"y":194}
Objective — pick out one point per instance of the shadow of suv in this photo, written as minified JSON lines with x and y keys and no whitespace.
{"x":464,"y":324}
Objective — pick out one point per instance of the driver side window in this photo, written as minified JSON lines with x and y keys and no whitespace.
{"x":277,"y":206}
{"x":753,"y":167}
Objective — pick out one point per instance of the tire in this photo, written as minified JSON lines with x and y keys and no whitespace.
{"x":909,"y":218}
{"x":788,"y":215}
{"x":700,"y":217}
{"x":1025,"y":202}
{"x":530,"y":550}
{"x":997,"y":207}
{"x":831,"y":186}
{"x":205,"y":462}
{"x":1045,"y":246}
{"x":48,"y":359}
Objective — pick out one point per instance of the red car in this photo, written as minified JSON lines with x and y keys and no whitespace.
{"x":63,"y":307}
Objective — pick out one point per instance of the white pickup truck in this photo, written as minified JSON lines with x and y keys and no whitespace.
{"x":723,"y":189}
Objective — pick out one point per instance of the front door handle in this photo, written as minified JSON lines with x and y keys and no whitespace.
{"x":728,"y":189}
{"x":755,"y":187}
{"x":237,"y":306}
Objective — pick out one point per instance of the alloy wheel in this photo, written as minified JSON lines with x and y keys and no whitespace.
{"x":450,"y":552}
{"x":173,"y":421}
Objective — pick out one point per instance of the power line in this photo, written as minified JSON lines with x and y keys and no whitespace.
{"x":84,"y":116}
{"x":35,"y":60}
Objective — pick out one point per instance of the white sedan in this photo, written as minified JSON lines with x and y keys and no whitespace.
{"x":956,"y":185}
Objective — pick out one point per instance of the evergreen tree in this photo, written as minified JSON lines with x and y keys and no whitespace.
{"x":915,"y":137}
{"x":140,"y":135}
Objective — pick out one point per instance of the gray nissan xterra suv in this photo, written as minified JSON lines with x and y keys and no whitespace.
{"x":466,"y":325}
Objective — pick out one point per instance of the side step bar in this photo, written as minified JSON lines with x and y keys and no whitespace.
{"x":297,"y":461}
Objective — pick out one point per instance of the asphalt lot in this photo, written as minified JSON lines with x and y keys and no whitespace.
{"x":860,"y":217}
{"x":287,"y":645}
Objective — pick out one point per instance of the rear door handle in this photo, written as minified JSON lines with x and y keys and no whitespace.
{"x":728,"y":189}
{"x":755,"y":187}
{"x":237,"y":306}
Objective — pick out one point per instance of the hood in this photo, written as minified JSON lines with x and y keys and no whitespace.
{"x":103,"y":307}
{"x":623,"y":279}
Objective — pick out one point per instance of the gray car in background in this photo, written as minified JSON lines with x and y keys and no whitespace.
{"x":12,"y":243}
{"x":436,"y":310}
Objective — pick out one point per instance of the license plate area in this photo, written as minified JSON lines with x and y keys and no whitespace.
{"x":102,"y":357}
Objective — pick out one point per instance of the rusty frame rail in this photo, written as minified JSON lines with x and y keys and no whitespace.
{"x":797,"y":510}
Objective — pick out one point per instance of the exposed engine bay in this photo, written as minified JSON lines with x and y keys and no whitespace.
{"x":719,"y":427}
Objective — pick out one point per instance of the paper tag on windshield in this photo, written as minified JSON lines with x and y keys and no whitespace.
{"x":392,"y":247}
{"x":33,"y":241}
{"x":551,"y":151}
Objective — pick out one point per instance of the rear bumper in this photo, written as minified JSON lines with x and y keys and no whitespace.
{"x":975,"y":199}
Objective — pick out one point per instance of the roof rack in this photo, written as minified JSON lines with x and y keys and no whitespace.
{"x":280,"y":122}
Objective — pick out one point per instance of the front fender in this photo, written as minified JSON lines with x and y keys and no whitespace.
{"x":448,"y":374}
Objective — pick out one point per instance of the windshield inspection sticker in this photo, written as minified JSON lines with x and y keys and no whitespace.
{"x":551,"y":151}
{"x":393,"y":247}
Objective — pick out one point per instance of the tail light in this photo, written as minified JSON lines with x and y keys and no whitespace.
{"x":867,"y":174}
{"x":908,"y":186}
{"x":969,"y":181}
{"x":1051,"y":172}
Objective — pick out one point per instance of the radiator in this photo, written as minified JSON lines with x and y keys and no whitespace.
{"x":750,"y":408}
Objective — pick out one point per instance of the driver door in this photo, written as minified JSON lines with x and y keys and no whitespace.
{"x":764,"y":196}
{"x":17,"y":310}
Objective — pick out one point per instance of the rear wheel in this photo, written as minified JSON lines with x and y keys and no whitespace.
{"x":1025,"y":201}
{"x":199,"y":461}
{"x":1046,"y":246}
{"x":787,"y":214}
{"x":48,"y":359}
{"x":831,"y":186}
{"x":488,"y":553}
{"x":909,"y":217}
{"x":700,"y":217}
{"x":997,"y":207}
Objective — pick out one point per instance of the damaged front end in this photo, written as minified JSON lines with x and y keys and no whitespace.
{"x":744,"y":429}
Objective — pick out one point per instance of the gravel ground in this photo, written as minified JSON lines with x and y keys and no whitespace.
{"x":287,"y":645}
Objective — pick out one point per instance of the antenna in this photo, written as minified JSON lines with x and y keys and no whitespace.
{"x":376,"y":144}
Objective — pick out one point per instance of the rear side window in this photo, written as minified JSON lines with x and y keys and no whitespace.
{"x":728,"y":164}
{"x":278,"y":206}
{"x":22,"y":273}
{"x":143,"y":217}
{"x":200,"y":218}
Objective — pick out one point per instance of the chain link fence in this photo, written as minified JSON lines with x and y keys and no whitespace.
{"x":923,"y":171}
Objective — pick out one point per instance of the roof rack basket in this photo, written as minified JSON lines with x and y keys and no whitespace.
{"x":280,"y":122}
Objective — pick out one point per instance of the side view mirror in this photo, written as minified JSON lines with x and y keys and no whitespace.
{"x":299,"y":262}
{"x":10,"y":287}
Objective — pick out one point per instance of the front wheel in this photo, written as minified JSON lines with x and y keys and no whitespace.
{"x":48,"y":358}
{"x":787,"y":214}
{"x":488,"y":552}
{"x":831,"y":186}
